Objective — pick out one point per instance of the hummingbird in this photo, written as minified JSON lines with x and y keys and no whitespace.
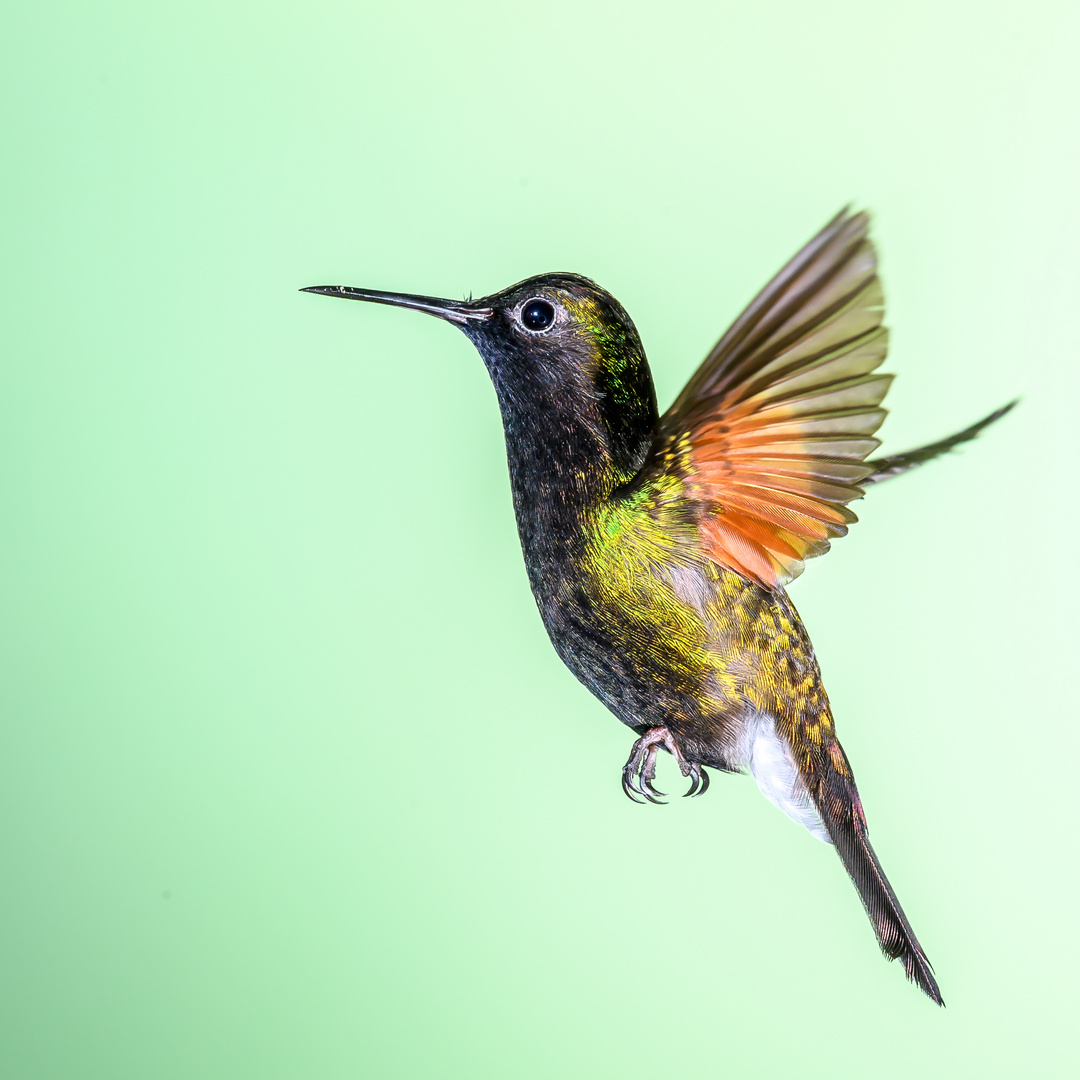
{"x":658,"y":547}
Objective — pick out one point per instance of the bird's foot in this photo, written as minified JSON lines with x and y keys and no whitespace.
{"x":639,"y":772}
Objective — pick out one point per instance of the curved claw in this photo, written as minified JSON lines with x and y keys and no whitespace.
{"x":634,"y":784}
{"x":652,"y":794}
{"x":628,"y":789}
{"x":646,"y":783}
{"x":640,"y":769}
{"x":699,"y":782}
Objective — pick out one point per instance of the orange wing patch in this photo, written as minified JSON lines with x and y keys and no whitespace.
{"x":777,"y":422}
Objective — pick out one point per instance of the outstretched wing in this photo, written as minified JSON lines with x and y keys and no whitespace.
{"x":774,"y":428}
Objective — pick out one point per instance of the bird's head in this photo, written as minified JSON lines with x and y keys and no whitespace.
{"x":558,"y":348}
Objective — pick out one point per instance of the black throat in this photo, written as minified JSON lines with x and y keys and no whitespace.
{"x":573,"y":442}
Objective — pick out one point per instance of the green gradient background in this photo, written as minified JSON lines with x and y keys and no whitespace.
{"x":291,"y":783}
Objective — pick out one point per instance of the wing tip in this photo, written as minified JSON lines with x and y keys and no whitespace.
{"x":850,"y":218}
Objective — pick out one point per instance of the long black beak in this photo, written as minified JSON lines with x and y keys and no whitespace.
{"x":457,"y":311}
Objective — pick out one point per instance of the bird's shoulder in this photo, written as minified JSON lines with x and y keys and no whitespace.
{"x":647,"y":525}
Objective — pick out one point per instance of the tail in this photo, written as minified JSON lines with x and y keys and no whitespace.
{"x":895,"y":464}
{"x":841,"y":811}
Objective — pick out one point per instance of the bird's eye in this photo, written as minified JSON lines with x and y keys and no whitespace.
{"x":537,"y":315}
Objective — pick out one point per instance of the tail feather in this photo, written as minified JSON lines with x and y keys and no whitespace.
{"x":845,"y":823}
{"x":895,"y":464}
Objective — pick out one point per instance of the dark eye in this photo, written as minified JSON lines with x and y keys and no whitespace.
{"x":537,"y":315}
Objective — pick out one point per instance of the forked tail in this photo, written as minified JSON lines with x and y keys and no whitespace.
{"x":842,"y":813}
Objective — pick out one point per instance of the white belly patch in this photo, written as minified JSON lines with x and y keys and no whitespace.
{"x":770,"y":760}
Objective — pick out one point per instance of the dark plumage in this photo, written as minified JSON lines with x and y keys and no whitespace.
{"x":658,"y":547}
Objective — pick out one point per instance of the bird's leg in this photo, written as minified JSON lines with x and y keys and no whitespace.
{"x":640,"y":768}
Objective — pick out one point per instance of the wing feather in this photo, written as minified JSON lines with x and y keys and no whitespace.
{"x":775,"y":426}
